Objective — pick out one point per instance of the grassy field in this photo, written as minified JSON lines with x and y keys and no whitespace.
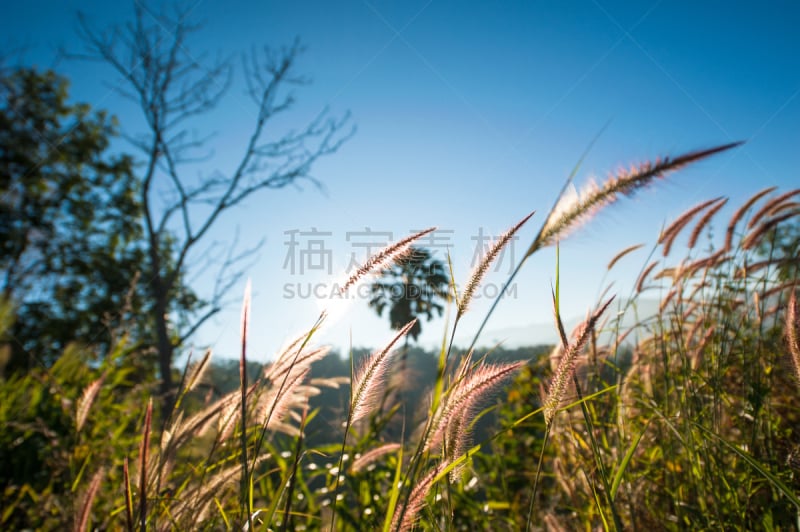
{"x":689,"y":420}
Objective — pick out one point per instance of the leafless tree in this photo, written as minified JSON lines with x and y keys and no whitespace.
{"x":172,"y":87}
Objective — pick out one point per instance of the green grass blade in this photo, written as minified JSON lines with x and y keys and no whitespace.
{"x":623,"y":465}
{"x":394,"y":494}
{"x":775,"y":481}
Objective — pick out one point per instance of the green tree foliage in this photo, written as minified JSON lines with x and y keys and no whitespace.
{"x":69,"y":218}
{"x":417,"y":285}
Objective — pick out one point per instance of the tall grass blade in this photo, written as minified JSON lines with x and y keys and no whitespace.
{"x":245,"y":490}
{"x":293,"y":474}
{"x":126,"y":479}
{"x":590,"y":426}
{"x":623,"y":464}
{"x":143,"y":448}
{"x":394,"y":494}
{"x":772,"y":479}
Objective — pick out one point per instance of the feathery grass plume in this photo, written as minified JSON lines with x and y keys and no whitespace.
{"x":329,"y":382}
{"x":483,"y":266}
{"x":704,"y":220}
{"x":785,"y":206}
{"x":757,"y":306}
{"x":85,"y":402}
{"x":769,"y":206}
{"x":192,"y":376}
{"x":551,"y":523}
{"x":168,"y":433}
{"x":746,"y":270}
{"x":452,"y":430}
{"x":671,"y":232}
{"x":755,"y":236}
{"x":739,"y":214}
{"x":383,"y":257}
{"x":277,"y":404}
{"x":196,"y":373}
{"x":230,"y":412}
{"x":192,"y":507}
{"x":697,"y":355}
{"x":287,"y":351}
{"x":373,"y":455}
{"x":621,"y":254}
{"x":287,"y":393}
{"x":82,"y":518}
{"x":368,"y":380}
{"x":472,"y":387}
{"x":568,"y":202}
{"x":643,"y":276}
{"x":579,"y":208}
{"x":405,"y":516}
{"x":665,"y":273}
{"x":224,"y":411}
{"x":667,"y":300}
{"x":365,"y":393}
{"x":558,"y":386}
{"x":292,"y":361}
{"x":712,"y":261}
{"x":779,"y":289}
{"x":793,"y":332}
{"x":286,"y":376}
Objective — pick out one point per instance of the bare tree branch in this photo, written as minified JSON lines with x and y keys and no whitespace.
{"x":171,"y":86}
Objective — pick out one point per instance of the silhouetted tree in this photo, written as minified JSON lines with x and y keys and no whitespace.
{"x":415,"y":286}
{"x":71,"y":240}
{"x":172,"y":88}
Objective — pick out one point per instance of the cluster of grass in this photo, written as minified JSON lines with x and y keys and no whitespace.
{"x":688,"y":420}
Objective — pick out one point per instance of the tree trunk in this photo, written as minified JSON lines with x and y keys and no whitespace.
{"x":164,"y":347}
{"x":165,"y":351}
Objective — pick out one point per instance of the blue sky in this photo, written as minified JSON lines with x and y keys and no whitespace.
{"x":470,"y":115}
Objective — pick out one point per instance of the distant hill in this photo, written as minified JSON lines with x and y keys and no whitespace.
{"x":545,"y":333}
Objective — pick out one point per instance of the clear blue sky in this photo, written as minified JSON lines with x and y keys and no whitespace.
{"x":470,"y":115}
